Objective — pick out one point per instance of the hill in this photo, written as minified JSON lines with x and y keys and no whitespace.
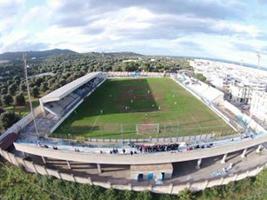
{"x":35,"y":54}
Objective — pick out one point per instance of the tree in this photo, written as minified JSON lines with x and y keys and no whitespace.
{"x":200,"y":77}
{"x":146,"y":195}
{"x":23,"y":87}
{"x":12,"y":89}
{"x":1,"y":110}
{"x":44,"y":87}
{"x":35,"y":92}
{"x":20,"y":100}
{"x":7,"y":119}
{"x":3,"y":91}
{"x":186,"y":195}
{"x":7,"y":99}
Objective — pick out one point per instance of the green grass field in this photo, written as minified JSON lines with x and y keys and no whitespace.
{"x":115,"y":108}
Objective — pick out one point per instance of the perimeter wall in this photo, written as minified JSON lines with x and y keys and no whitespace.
{"x":164,"y":188}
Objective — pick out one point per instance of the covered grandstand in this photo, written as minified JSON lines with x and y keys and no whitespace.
{"x":64,"y":99}
{"x":56,"y":106}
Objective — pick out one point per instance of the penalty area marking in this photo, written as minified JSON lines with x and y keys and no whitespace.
{"x":96,"y":119}
{"x":193,"y":118}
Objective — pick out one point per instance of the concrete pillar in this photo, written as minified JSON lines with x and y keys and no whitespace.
{"x":235,"y":177}
{"x":43,"y":159}
{"x":224,"y":158}
{"x":8,"y":157}
{"x":130,"y":186}
{"x":24,"y":155}
{"x":243,"y":155}
{"x":46,"y":171}
{"x":59,"y":175}
{"x":199,"y":161}
{"x":89,"y":180}
{"x":188,"y":185}
{"x":171,"y":188}
{"x":99,"y":168}
{"x":34,"y":168}
{"x":259,"y":149}
{"x":68,"y":163}
{"x":74,"y":179}
{"x":206,"y":184}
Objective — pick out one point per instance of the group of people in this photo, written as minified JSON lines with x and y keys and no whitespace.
{"x":156,"y":147}
{"x":146,"y":148}
{"x":123,"y":151}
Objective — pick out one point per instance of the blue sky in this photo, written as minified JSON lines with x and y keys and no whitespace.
{"x":232,"y":29}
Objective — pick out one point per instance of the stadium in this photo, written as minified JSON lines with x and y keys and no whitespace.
{"x":139,"y":131}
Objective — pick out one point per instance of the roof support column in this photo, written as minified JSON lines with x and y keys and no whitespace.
{"x":259,"y":149}
{"x":224,"y":158}
{"x":68,"y":163}
{"x":243,"y":155}
{"x":199,"y":161}
{"x":43,"y":159}
{"x":99,"y":168}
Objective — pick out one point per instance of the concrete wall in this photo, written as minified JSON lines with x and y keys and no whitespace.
{"x":164,"y":188}
{"x":141,"y":159}
{"x":15,"y":128}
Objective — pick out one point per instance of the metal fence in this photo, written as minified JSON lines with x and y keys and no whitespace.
{"x":129,"y":131}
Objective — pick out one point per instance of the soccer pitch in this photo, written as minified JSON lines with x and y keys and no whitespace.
{"x":115,"y":108}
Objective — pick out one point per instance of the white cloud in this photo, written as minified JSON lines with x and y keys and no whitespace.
{"x":209,"y":29}
{"x":238,"y":28}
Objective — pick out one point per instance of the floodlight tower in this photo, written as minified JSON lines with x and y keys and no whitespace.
{"x":29,"y":94}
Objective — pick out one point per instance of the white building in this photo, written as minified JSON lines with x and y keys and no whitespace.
{"x":240,"y":93}
{"x":237,"y":81}
{"x":258,"y":107}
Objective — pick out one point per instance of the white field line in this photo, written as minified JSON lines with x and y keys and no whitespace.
{"x":96,"y":119}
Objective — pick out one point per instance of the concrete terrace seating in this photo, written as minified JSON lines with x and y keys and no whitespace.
{"x":62,"y":107}
{"x":205,"y":91}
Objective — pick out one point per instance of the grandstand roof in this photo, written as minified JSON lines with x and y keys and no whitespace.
{"x":63,"y":91}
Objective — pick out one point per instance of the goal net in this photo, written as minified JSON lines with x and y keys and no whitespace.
{"x":147,"y":128}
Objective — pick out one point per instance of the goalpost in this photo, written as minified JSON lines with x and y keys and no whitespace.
{"x":147,"y":128}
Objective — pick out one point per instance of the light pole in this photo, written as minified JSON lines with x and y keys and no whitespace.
{"x":29,"y":95}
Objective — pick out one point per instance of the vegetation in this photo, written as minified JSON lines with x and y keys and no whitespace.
{"x":115,"y":108}
{"x":8,"y":118}
{"x":200,"y":77}
{"x":15,"y":184}
{"x":52,"y":69}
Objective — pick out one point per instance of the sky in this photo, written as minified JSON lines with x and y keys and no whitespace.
{"x":234,"y":29}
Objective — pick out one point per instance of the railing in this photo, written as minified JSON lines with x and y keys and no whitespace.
{"x":199,"y":138}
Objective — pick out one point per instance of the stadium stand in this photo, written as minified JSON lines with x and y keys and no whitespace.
{"x":59,"y":104}
{"x":56,"y":106}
